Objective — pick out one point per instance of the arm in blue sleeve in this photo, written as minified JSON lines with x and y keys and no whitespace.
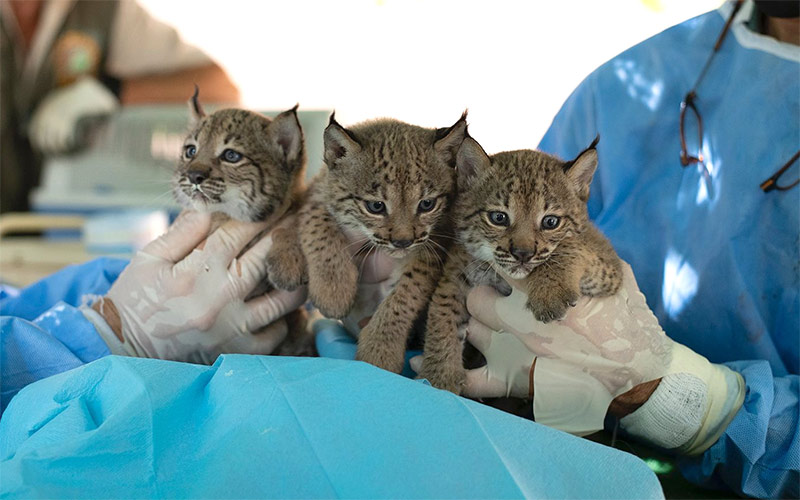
{"x":59,"y":340}
{"x":759,"y":453}
{"x":43,"y":333}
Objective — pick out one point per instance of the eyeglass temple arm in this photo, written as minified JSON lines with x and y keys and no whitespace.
{"x":772,"y":183}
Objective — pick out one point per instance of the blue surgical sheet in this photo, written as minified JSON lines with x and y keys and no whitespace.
{"x":279,"y":427}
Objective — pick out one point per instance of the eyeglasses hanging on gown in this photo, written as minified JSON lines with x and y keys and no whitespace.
{"x":689,"y":104}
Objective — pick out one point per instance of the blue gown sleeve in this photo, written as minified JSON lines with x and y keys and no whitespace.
{"x":759,"y":453}
{"x":42,"y":331}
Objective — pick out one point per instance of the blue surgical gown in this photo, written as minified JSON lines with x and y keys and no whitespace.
{"x":42,"y":332}
{"x":715,"y":256}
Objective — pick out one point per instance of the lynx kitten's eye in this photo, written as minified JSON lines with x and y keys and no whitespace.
{"x":190,"y":150}
{"x":376,"y":207}
{"x":231,"y":156}
{"x":498,"y":218}
{"x":550,"y":222}
{"x":426,"y":205}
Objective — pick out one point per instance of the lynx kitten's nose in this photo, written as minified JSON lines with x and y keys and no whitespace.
{"x":522,"y":255}
{"x":196,"y":176}
{"x":401,"y":243}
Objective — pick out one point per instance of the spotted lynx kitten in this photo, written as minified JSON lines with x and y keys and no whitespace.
{"x":388,"y":183}
{"x":238,"y":164}
{"x":523,"y":214}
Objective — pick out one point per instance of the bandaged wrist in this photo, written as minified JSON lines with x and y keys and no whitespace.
{"x":106,"y":333}
{"x":691,"y":407}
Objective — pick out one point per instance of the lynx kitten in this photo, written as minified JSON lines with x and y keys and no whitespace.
{"x":388,"y":184}
{"x":241,"y":165}
{"x":520,"y":214}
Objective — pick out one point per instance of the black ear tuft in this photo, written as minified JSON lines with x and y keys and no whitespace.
{"x":196,"y":112}
{"x":580,"y":171}
{"x":196,"y":106}
{"x":593,"y":146}
{"x":448,"y":140}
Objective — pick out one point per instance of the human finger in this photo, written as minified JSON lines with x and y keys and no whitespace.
{"x":416,"y":363}
{"x":188,"y":230}
{"x":271,"y":306}
{"x":267,"y":339}
{"x":482,"y":304}
{"x":481,"y":384}
{"x":251,"y":267}
{"x":479,"y":335}
{"x":227,"y":241}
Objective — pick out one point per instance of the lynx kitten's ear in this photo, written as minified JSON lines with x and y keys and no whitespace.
{"x":581,"y":170}
{"x":471,"y":160}
{"x":196,"y":112}
{"x":338,"y":142}
{"x":286,"y":133}
{"x":448,"y":140}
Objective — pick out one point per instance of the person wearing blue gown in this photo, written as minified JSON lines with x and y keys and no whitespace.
{"x":696,"y":188}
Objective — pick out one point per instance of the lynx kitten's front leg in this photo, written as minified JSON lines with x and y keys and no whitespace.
{"x":332,"y":276}
{"x":383,"y":341}
{"x":442,"y":364}
{"x":286,"y":264}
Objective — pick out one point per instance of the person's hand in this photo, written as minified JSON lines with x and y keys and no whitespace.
{"x":608,"y":355}
{"x":53,"y":127}
{"x":183,"y":298}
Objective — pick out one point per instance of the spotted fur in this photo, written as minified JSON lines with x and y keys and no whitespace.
{"x":388,"y":184}
{"x":557,"y":264}
{"x":238,"y":164}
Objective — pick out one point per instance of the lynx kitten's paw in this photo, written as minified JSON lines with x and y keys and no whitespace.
{"x":376,"y":348}
{"x":332,"y":288}
{"x":552,"y":303}
{"x":287,"y":270}
{"x":451,"y":378}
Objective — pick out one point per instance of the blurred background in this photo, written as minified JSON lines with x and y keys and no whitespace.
{"x":512,"y":63}
{"x":93,"y":92}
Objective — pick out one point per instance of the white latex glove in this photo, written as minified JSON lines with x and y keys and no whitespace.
{"x":53,"y":126}
{"x":183,"y":300}
{"x":375,"y":281}
{"x":602,"y":349}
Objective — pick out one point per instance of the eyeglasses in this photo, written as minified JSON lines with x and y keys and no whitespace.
{"x":689,"y":102}
{"x":772,"y":183}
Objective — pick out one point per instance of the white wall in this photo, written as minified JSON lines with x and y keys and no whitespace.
{"x":512,"y":63}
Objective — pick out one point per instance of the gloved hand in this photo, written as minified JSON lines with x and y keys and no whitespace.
{"x":182,"y":298}
{"x":605,"y":348}
{"x":53,"y":127}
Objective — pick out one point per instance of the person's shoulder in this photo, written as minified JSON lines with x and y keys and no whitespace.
{"x":668,"y":52}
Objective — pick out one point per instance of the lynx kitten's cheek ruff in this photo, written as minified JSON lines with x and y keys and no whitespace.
{"x":241,"y":165}
{"x":521,"y":214}
{"x":389,"y":183}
